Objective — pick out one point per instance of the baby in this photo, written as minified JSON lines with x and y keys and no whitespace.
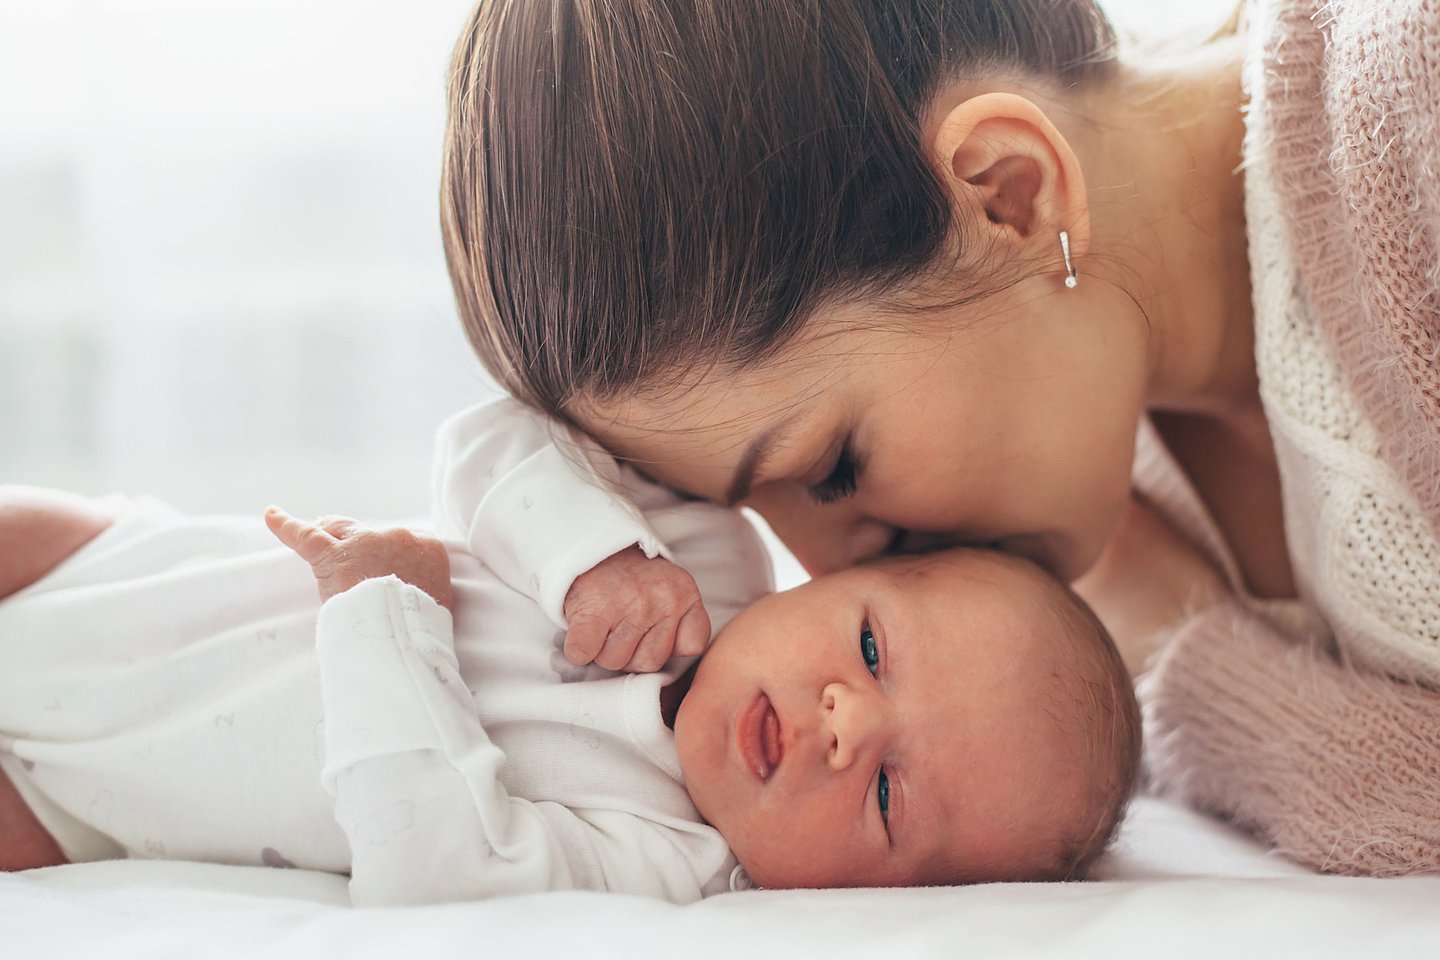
{"x":172,"y":689}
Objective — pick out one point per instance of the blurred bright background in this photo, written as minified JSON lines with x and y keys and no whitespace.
{"x":221,"y":278}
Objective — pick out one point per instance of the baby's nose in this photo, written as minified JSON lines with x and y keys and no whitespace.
{"x":852,"y":725}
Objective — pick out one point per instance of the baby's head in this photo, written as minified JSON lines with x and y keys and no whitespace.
{"x":950,"y":718}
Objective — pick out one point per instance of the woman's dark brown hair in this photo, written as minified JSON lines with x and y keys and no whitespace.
{"x":634,"y":188}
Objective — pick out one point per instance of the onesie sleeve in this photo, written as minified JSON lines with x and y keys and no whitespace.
{"x":1335,"y":767}
{"x":538,"y":503}
{"x":414,"y":775}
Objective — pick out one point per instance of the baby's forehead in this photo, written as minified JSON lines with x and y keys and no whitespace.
{"x":989,"y":598}
{"x":958,"y":566}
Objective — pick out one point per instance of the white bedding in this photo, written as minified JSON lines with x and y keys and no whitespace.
{"x":1177,"y":885}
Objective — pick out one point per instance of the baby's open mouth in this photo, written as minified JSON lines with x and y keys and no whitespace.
{"x":758,"y":736}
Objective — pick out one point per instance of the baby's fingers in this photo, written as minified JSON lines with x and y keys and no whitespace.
{"x":306,"y":539}
{"x":341,"y":528}
{"x":693,"y":635}
{"x":619,"y":646}
{"x":585,"y":639}
{"x":654,"y":648}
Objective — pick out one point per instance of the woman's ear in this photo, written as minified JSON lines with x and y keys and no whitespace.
{"x":1002,"y":151}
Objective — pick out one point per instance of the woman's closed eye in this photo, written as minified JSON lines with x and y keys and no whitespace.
{"x":842,"y":480}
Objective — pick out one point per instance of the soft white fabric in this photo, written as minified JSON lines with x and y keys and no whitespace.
{"x":1362,"y":551}
{"x":167,"y":692}
{"x":1178,"y":885}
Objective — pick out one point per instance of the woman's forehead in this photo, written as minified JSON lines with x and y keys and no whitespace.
{"x":715,"y":403}
{"x":705,"y":451}
{"x":717,"y":414}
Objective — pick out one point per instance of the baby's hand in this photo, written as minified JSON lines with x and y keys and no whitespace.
{"x":630,"y":612}
{"x":341,"y":553}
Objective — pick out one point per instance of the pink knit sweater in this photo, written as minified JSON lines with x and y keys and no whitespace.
{"x":1247,"y":711}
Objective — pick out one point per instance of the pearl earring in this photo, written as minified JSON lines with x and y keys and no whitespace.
{"x":1072,"y":279}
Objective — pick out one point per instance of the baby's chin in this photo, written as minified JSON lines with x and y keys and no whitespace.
{"x":771,"y":869}
{"x":805,"y":871}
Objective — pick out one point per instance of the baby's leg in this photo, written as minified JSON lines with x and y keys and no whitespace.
{"x":24,"y":843}
{"x":38,"y":529}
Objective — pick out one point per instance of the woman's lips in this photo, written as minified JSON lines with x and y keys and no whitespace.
{"x":757,"y":736}
{"x":1045,"y":551}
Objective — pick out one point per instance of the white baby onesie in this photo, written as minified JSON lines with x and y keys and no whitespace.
{"x":176,"y":690}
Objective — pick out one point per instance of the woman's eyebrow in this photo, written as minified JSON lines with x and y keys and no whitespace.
{"x":751,"y":461}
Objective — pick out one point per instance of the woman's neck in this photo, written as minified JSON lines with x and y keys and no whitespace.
{"x":1164,"y":171}
{"x":1162,"y":154}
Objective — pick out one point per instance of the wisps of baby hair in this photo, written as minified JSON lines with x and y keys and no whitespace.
{"x":637,"y":189}
{"x":1103,"y":701}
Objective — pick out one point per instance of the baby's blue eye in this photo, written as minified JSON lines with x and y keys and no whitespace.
{"x":869,"y":651}
{"x":883,"y":795}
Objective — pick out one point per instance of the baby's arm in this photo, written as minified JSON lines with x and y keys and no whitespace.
{"x":550,"y":523}
{"x":415,"y":776}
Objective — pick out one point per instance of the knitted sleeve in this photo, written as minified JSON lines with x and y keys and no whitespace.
{"x":1350,"y":93}
{"x":1337,"y":769}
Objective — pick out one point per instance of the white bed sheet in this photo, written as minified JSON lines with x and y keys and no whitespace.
{"x":1177,"y":885}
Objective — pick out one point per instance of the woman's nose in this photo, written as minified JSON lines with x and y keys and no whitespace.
{"x":852,"y":725}
{"x":823,"y":538}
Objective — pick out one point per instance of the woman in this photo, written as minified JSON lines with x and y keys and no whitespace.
{"x":909,"y":273}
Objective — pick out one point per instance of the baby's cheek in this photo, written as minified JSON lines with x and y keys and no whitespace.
{"x":801,"y":846}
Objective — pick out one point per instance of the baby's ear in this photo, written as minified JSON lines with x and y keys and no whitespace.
{"x":740,"y":880}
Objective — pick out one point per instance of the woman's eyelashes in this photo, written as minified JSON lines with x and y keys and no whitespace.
{"x":842,"y":479}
